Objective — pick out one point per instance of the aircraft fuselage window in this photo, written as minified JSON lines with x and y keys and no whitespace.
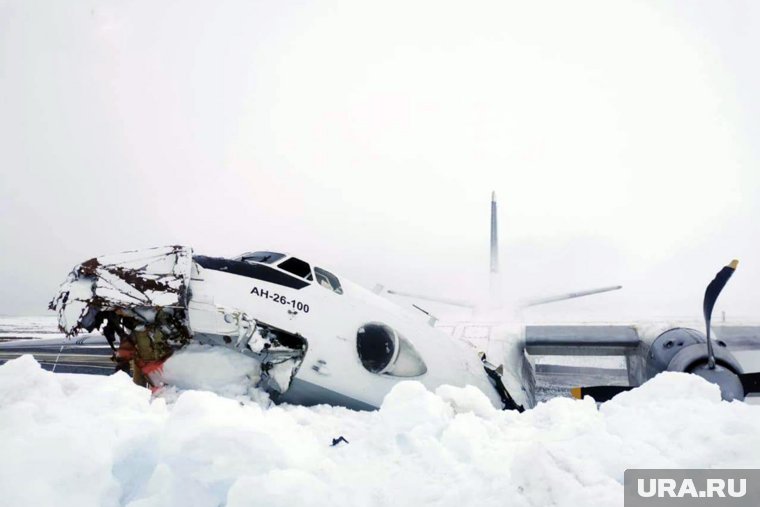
{"x":297,"y":267}
{"x":264,"y":257}
{"x":327,"y":280}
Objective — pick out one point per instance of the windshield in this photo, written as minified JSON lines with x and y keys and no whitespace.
{"x":327,"y":280}
{"x":297,"y":267}
{"x":265,"y":257}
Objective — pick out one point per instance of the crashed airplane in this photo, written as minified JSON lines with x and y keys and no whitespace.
{"x":320,"y":338}
{"x":323,"y":339}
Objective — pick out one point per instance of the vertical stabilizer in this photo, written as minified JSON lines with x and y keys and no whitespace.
{"x":494,"y":237}
{"x":494,"y":271}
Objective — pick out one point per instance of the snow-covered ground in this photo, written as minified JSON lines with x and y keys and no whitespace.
{"x":76,"y":440}
{"x":42,"y":326}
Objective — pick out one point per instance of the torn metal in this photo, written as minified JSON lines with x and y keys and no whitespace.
{"x":131,"y":282}
{"x":151,"y":289}
{"x":279,"y":352}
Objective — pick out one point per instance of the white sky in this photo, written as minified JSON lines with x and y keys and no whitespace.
{"x":621,"y":139}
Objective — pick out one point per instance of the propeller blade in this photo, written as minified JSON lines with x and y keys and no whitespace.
{"x":599,"y":393}
{"x":750,"y":382}
{"x":716,"y":286}
{"x":711,"y":295}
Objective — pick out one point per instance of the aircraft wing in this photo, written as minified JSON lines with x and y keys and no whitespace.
{"x":739,"y":337}
{"x":719,"y":354}
{"x":647,"y":350}
{"x":618,"y":340}
{"x":581,"y":340}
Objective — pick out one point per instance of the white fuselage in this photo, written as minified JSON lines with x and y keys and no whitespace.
{"x":329,"y":322}
{"x":503,"y":343}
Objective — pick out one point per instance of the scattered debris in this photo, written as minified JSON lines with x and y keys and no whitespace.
{"x":338,"y":440}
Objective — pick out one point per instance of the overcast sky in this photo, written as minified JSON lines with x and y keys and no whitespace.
{"x":621,"y":139}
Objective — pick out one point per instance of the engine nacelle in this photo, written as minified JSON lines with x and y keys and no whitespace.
{"x":685,"y":350}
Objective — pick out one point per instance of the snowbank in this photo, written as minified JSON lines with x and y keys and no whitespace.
{"x":72,"y":440}
{"x":217,"y":369}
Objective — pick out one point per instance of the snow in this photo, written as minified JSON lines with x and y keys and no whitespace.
{"x":213,"y":369}
{"x":29,"y":327}
{"x":76,"y":440}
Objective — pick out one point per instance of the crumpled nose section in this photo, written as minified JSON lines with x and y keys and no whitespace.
{"x":155,"y":277}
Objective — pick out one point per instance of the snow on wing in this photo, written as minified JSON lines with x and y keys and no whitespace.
{"x":156,"y":277}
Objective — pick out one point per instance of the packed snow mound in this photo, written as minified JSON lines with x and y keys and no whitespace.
{"x":216,"y":369}
{"x":74,"y":440}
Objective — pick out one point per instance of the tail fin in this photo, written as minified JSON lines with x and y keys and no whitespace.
{"x":494,"y":237}
{"x":494,"y":272}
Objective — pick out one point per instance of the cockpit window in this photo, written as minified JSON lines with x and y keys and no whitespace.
{"x":265,"y":257}
{"x":327,"y":280}
{"x":297,"y":267}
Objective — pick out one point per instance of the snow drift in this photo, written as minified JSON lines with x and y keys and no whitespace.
{"x":76,"y":440}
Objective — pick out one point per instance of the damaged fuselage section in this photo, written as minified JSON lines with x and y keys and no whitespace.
{"x":317,"y":337}
{"x":142,"y":302}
